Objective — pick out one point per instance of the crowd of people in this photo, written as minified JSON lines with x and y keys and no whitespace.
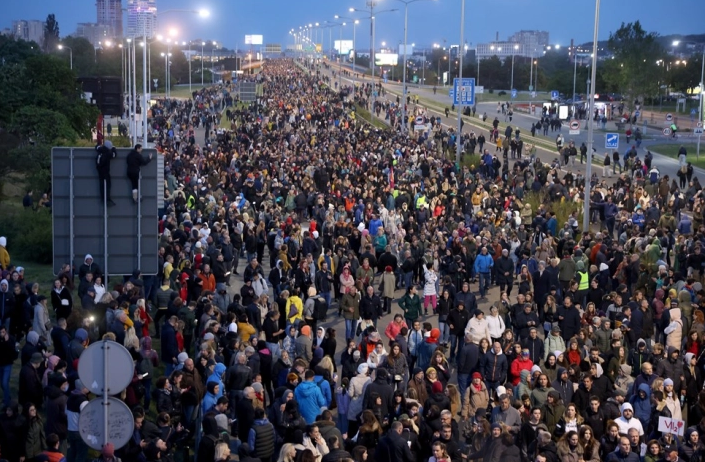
{"x":475,"y":326}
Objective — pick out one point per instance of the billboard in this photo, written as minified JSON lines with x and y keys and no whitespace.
{"x":343,"y":47}
{"x":254,"y":40}
{"x":124,"y":239}
{"x":407,"y":50}
{"x":386,"y":59}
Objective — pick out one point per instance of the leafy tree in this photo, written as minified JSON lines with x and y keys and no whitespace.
{"x":635,"y":53}
{"x":51,"y":33}
{"x":685,"y":77}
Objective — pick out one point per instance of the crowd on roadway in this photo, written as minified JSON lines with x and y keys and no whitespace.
{"x":476,"y":327}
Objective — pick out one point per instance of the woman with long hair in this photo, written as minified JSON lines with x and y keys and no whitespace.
{"x":570,"y":422}
{"x":615,"y":363}
{"x":440,"y":454}
{"x":569,"y":448}
{"x":287,"y":453}
{"x":32,"y":433}
{"x":370,"y":430}
{"x":574,"y":354}
{"x":591,"y":447}
{"x":396,"y":365}
{"x":359,"y":454}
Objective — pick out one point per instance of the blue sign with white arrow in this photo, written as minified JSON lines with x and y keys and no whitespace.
{"x":555,"y":94}
{"x":464,"y":92}
{"x":514,"y":93}
{"x":612,"y":141}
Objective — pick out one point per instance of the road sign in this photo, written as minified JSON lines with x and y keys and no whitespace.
{"x":637,"y":113}
{"x":514,"y":93}
{"x":555,"y":94}
{"x":451,"y":93}
{"x":698,"y":131}
{"x":666,"y":131}
{"x":700,"y":124}
{"x":531,"y":88}
{"x":464,"y":92}
{"x":121,"y":423}
{"x":574,"y":124}
{"x":574,"y":132}
{"x":669,"y":117}
{"x":533,"y":94}
{"x":612,"y":141}
{"x":479,"y":89}
{"x":95,"y":359}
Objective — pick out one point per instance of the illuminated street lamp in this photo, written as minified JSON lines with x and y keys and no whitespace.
{"x":61,"y":47}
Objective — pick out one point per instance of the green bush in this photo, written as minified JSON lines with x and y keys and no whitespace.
{"x":29,"y":234}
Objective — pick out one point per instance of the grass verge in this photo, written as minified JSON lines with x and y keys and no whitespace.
{"x":671,"y":150}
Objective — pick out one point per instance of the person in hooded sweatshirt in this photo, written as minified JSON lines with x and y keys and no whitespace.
{"x":217,"y":377}
{"x":310,"y":398}
{"x":601,"y":386}
{"x":55,"y":405}
{"x":641,"y":404}
{"x":211,"y":397}
{"x":206,"y":448}
{"x":524,"y":385}
{"x":427,"y":348}
{"x":563,"y":385}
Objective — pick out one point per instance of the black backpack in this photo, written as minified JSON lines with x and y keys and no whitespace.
{"x":320,"y":308}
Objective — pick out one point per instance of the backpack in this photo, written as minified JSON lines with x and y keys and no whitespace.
{"x":320,"y":309}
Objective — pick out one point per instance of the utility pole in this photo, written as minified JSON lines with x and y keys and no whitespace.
{"x":591,"y":123}
{"x":460,"y":81}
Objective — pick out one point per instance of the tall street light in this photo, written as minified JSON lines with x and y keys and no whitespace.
{"x":514,"y":51}
{"x":202,"y":45}
{"x":355,"y":22}
{"x":591,"y":123}
{"x":371,"y":5}
{"x":575,"y":71}
{"x":460,"y":81}
{"x":61,"y":47}
{"x":215,"y":44}
{"x":406,"y":52}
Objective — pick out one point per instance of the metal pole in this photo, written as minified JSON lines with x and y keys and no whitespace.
{"x":340,"y":68}
{"x":450,"y":47}
{"x":575,"y":73}
{"x":189,"y":68}
{"x":590,"y":121}
{"x":460,"y":81}
{"x":403,"y":91}
{"x":372,"y":56}
{"x":139,"y":222}
{"x":145,"y":85}
{"x":478,"y":67}
{"x":511,"y":84}
{"x":702,"y":86}
{"x":134,"y":89}
{"x":105,"y":230}
{"x":71,"y":58}
{"x":423,"y":69}
{"x":202,"y":65}
{"x":355,"y":50}
{"x":71,"y":212}
{"x":129,"y":87}
{"x":106,"y":395}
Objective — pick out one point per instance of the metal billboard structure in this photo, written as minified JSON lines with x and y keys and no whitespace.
{"x":121,"y":238}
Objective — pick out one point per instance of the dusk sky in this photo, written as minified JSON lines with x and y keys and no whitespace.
{"x":430,"y":21}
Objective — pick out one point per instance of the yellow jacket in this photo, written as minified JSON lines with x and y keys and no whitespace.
{"x":296,"y":301}
{"x":4,"y":258}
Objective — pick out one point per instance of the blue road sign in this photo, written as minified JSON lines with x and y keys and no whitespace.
{"x":464,"y":92}
{"x":451,"y":93}
{"x":693,"y":111}
{"x":612,"y":141}
{"x":514,"y":93}
{"x":555,"y":94}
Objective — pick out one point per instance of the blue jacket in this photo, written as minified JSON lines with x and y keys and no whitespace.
{"x":216,"y":376}
{"x":324,"y":386}
{"x":483,"y":263}
{"x":494,"y":367}
{"x":170,"y":348}
{"x":310,"y":400}
{"x":209,"y":400}
{"x":642,"y":407}
{"x":374,"y":225}
{"x":424,"y":353}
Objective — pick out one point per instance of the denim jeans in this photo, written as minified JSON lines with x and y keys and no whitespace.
{"x":408,"y":278}
{"x":6,"y":371}
{"x":78,"y":450}
{"x":328,"y":297}
{"x":463,"y":383}
{"x":454,"y":350}
{"x":350,"y":328}
{"x":484,"y":283}
{"x":275,"y":350}
{"x":445,"y":333}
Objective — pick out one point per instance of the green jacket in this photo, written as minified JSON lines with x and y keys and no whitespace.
{"x":349,"y":301}
{"x":411,"y":306}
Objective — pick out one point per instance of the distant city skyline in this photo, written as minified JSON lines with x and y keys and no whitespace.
{"x":429,"y":21}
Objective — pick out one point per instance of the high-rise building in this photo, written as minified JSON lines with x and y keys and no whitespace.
{"x":110,"y":14}
{"x":527,"y":43}
{"x":29,"y":30}
{"x":95,"y":33}
{"x":141,"y":18}
{"x":533,"y":41}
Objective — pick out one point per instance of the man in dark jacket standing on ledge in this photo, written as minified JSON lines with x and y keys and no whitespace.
{"x":106,"y":153}
{"x":134,"y":162}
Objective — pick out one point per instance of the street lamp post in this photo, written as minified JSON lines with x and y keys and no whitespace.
{"x":460,"y":80}
{"x":202,"y":45}
{"x":575,"y":72}
{"x":213,"y":63}
{"x":514,"y":49}
{"x":591,"y":123}
{"x":61,"y":47}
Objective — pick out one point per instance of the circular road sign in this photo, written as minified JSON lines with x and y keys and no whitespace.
{"x":121,"y":423}
{"x":533,"y":94}
{"x":574,"y":124}
{"x":669,"y":117}
{"x":91,"y":367}
{"x":700,"y":124}
{"x":666,"y":131}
